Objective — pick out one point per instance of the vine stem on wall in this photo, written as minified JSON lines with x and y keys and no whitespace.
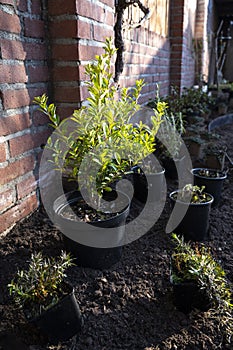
{"x":121,"y":6}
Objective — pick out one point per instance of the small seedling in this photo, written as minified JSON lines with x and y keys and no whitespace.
{"x":40,"y":286}
{"x":194,"y":262}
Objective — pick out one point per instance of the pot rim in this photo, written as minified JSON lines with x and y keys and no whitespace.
{"x":189,"y":203}
{"x":159,"y":172}
{"x":57,"y":208}
{"x":224,"y":176}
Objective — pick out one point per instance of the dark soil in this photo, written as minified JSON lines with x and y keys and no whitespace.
{"x":129,"y":306}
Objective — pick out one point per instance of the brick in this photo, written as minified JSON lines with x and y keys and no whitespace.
{"x":12,"y":74}
{"x":7,"y":198}
{"x":36,"y":91}
{"x":64,"y":29}
{"x":36,"y":7}
{"x":84,"y":30}
{"x":27,"y":142}
{"x":18,"y":212}
{"x":34,"y":28}
{"x":109,"y":3}
{"x":35,"y":51}
{"x":110,"y":19}
{"x":26,"y":186}
{"x":100,"y":16}
{"x":94,"y":11}
{"x":7,"y":2}
{"x":89,"y":52}
{"x":12,"y":49}
{"x":66,"y":111}
{"x":14,"y":123}
{"x":22,"y":5}
{"x":9,"y":23}
{"x":39,"y":118}
{"x":15,"y":98}
{"x":65,"y":52}
{"x":38,"y":74}
{"x":2,"y":152}
{"x":67,"y":94}
{"x":61,"y":7}
{"x":15,"y":169}
{"x":85,"y":8}
{"x":65,"y":74}
{"x":100,"y":33}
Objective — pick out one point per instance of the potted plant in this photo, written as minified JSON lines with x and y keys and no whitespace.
{"x":169,"y":138}
{"x":195,"y":224}
{"x":149,"y":183}
{"x":102,"y":144}
{"x":200,"y":282}
{"x":172,"y":157}
{"x":48,"y":301}
{"x":212,"y":179}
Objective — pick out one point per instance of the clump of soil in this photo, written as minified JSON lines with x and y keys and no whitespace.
{"x":130,"y":305}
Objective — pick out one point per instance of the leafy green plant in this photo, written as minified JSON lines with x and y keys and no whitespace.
{"x":40,"y":286}
{"x":103,"y":131}
{"x":192,"y":194}
{"x":195,"y":263}
{"x":172,"y":125}
{"x":191,"y":101}
{"x":195,"y":101}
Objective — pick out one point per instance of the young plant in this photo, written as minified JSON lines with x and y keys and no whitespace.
{"x":104,"y":143}
{"x":193,"y":194}
{"x":172,"y":126}
{"x":195,"y":263}
{"x":210,"y":173}
{"x":40,"y":286}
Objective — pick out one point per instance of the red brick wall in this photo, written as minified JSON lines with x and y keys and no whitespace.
{"x":74,"y":42}
{"x":45,"y":50}
{"x":146,"y":57}
{"x":23,"y":74}
{"x":182,"y":73}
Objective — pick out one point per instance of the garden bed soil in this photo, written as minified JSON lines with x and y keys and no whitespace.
{"x":130,"y":305}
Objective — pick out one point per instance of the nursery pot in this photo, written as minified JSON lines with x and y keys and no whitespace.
{"x":187,"y":296}
{"x":63,"y":320}
{"x":195,"y":224}
{"x":213,"y":184}
{"x":145,"y":183}
{"x":109,"y":245}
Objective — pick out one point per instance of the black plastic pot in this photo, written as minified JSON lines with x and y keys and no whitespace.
{"x":62,"y":321}
{"x":188,"y":295}
{"x":213,"y":185}
{"x":107,"y":246}
{"x":145,"y":183}
{"x":195,"y":224}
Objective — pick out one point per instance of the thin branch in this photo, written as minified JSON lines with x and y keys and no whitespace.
{"x":121,"y":5}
